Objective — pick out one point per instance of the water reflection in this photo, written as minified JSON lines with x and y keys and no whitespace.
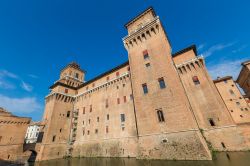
{"x":222,"y":159}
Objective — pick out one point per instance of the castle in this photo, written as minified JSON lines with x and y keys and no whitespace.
{"x":157,"y":105}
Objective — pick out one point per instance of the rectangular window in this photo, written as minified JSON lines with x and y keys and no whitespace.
{"x":196,"y":80}
{"x":125,"y":99}
{"x":88,"y":132}
{"x":98,"y":119}
{"x":107,"y":116}
{"x":117,"y":74}
{"x":122,"y":117}
{"x":107,"y":78}
{"x":54,"y":138}
{"x":93,"y":85}
{"x":66,"y":91}
{"x":90,"y":109}
{"x":147,"y":65}
{"x":231,"y":92}
{"x":1,"y":138}
{"x":96,"y":131}
{"x":83,"y":110}
{"x":76,"y":75}
{"x":145,"y":54}
{"x":238,"y":103}
{"x":160,"y":116}
{"x":131,"y":97}
{"x":107,"y":129}
{"x":107,"y":103}
{"x":89,"y":121}
{"x":145,"y":88}
{"x":211,"y":121}
{"x":118,"y":100}
{"x":83,"y":131}
{"x":68,"y":114}
{"x":162,"y":83}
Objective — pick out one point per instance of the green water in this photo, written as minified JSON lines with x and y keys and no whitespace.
{"x":222,"y":159}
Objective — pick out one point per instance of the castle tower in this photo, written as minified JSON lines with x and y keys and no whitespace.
{"x":164,"y":116}
{"x":210,"y":111}
{"x":59,"y":107}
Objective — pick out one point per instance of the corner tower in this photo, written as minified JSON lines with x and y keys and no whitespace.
{"x":59,"y":106}
{"x":165,"y":120}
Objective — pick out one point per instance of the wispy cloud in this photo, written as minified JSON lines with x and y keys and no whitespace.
{"x":215,"y":48}
{"x":6,"y":81}
{"x":19,"y":105}
{"x":200,"y":47}
{"x":26,"y":86}
{"x":33,"y":76}
{"x":226,"y":68}
{"x":5,"y":73}
{"x":240,"y":48}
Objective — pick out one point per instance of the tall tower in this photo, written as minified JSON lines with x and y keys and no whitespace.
{"x":59,"y":106}
{"x":165,"y":120}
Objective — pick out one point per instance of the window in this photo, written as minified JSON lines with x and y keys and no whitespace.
{"x":1,"y":138}
{"x":128,"y":68}
{"x":122,"y":117}
{"x":96,"y":131}
{"x":89,"y":121}
{"x":60,"y":130}
{"x":131,"y":97}
{"x":223,"y":145}
{"x":83,"y":110}
{"x":90,"y":109}
{"x":82,"y":122}
{"x":68,"y":114}
{"x":117,"y":74}
{"x":238,"y":103}
{"x":145,"y":88}
{"x":231,"y":92}
{"x":107,"y":129}
{"x":93,"y":85}
{"x":66,"y":90}
{"x":118,"y":100}
{"x":225,"y":81}
{"x":241,"y":116}
{"x":147,"y":65}
{"x":83,"y":131}
{"x":160,"y":115}
{"x":211,"y":121}
{"x":54,"y":138}
{"x":107,"y":116}
{"x":125,"y":99}
{"x":107,"y":78}
{"x":145,"y":54}
{"x":107,"y":103}
{"x":196,"y":80}
{"x":98,"y":119}
{"x":76,"y":75}
{"x":162,"y":83}
{"x":88,"y":132}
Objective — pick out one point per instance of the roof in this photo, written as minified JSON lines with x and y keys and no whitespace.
{"x":219,"y":79}
{"x":245,"y":63}
{"x":104,"y":74}
{"x":62,"y":84}
{"x":73,"y":65}
{"x":90,"y":81}
{"x":140,"y":15}
{"x":192,"y":47}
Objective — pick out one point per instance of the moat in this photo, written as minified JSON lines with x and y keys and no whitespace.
{"x":221,"y":159}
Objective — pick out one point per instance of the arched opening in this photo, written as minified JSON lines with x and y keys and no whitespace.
{"x":32,"y":157}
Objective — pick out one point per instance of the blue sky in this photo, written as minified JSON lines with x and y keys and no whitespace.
{"x":38,"y":38}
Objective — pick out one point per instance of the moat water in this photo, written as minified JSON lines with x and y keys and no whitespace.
{"x":221,"y":159}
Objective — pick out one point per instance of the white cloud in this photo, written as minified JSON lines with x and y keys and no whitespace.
{"x":5,"y":73}
{"x":26,"y":86}
{"x":215,"y":48}
{"x":19,"y":105}
{"x":226,"y":68}
{"x":6,"y":85}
